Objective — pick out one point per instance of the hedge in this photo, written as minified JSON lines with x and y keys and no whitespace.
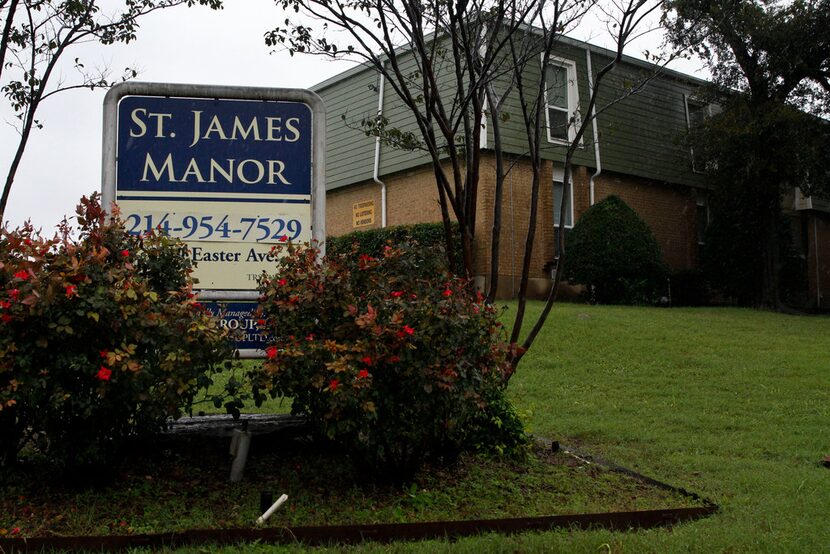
{"x":428,"y":236}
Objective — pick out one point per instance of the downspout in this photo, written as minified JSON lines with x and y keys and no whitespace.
{"x":376,"y":171}
{"x":593,"y":127}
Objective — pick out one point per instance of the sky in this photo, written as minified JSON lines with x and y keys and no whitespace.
{"x":194,"y":45}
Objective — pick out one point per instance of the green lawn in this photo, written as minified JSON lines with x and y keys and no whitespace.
{"x":732,"y":404}
{"x":279,"y":405}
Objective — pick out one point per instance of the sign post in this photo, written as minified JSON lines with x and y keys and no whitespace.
{"x":232,"y":171}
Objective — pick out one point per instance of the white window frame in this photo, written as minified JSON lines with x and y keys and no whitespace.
{"x":708,"y":111}
{"x":559,"y":177}
{"x":573,"y":100}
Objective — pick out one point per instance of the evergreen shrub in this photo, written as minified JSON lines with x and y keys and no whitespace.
{"x":430,"y":257}
{"x":613,"y":252}
{"x":394,"y":368}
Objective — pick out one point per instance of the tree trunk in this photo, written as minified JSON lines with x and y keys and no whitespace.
{"x":768,"y":293}
{"x":18,"y":156}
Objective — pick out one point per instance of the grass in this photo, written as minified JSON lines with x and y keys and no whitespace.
{"x":279,"y":405}
{"x":732,"y":404}
{"x":183,"y":485}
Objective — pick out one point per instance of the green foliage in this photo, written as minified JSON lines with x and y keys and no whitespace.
{"x":764,"y":50}
{"x":755,"y":152}
{"x":614,"y":253}
{"x":395,"y":368}
{"x":769,"y":65}
{"x":430,"y":254}
{"x":732,"y":253}
{"x":102,"y":340}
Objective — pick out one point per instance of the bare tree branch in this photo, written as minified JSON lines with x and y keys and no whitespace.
{"x":37,"y":35}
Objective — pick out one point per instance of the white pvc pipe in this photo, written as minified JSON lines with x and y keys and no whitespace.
{"x":280,"y":501}
{"x":376,"y":171}
{"x":593,"y":127}
{"x":240,"y":443}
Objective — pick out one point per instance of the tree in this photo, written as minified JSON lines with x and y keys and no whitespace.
{"x":770,"y":63}
{"x":454,"y":65}
{"x":37,"y":34}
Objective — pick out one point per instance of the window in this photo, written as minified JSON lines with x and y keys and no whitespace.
{"x":696,"y":114}
{"x":561,"y":98}
{"x":558,"y":188}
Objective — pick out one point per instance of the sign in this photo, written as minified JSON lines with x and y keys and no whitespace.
{"x":228,"y":170}
{"x":240,"y":318}
{"x":363,"y":213}
{"x":232,"y":171}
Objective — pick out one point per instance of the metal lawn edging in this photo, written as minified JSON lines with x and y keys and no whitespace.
{"x":353,"y":534}
{"x":388,"y":532}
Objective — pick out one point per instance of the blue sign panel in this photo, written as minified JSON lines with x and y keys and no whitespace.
{"x":193,"y":145}
{"x":231,"y":171}
{"x":240,"y":318}
{"x":230,"y":177}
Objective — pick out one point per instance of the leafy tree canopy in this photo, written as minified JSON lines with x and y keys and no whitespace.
{"x":768,"y":50}
{"x":768,"y":132}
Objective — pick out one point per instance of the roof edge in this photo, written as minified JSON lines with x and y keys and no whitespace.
{"x":673,"y":73}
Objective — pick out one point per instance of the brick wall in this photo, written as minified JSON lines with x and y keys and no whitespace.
{"x":668,"y":210}
{"x":339,"y":204}
{"x":515,"y":216}
{"x":412,"y":197}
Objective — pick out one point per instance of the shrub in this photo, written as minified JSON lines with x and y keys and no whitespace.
{"x":613,"y":252}
{"x":394,"y":368}
{"x":101,"y":341}
{"x":431,"y":257}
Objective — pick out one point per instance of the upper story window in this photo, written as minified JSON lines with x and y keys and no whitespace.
{"x":561,"y":100}
{"x":696,"y":114}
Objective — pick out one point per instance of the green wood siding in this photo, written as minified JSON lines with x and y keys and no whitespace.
{"x":349,"y":152}
{"x":393,"y":160}
{"x":640,"y":134}
{"x":351,"y":97}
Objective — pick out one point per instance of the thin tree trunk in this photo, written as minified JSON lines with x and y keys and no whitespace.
{"x":770,"y":297}
{"x":7,"y":29}
{"x":495,"y":236}
{"x":449,"y":240}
